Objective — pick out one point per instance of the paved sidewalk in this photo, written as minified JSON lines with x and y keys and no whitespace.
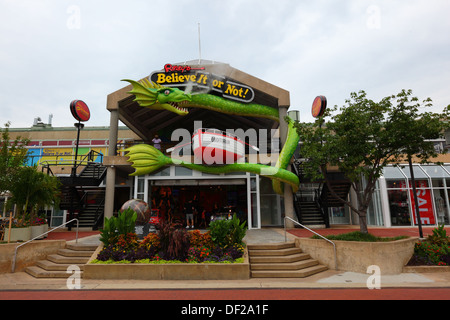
{"x":327,"y":279}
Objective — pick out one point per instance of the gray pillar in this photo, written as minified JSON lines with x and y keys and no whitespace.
{"x":109,"y":194}
{"x":288,"y":194}
{"x":111,"y":170}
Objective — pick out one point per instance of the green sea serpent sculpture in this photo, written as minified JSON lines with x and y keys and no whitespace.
{"x":146,"y":159}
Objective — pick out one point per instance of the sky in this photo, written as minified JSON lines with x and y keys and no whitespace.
{"x":56,"y":51}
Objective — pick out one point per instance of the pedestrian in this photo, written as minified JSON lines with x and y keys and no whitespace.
{"x":157,"y":142}
{"x":189,"y":213}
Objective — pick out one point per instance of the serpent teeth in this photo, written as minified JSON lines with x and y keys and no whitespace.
{"x":176,"y":106}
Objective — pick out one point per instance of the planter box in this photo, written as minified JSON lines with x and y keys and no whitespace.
{"x":175,"y":271}
{"x":36,"y":231}
{"x":426,"y":269}
{"x":18,"y":234}
{"x":354,"y":256}
{"x":178,"y":271}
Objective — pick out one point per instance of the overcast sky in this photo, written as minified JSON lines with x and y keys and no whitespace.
{"x":56,"y":51}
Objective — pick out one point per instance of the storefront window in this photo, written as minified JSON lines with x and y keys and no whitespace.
{"x":57,"y":218}
{"x":374,"y":213}
{"x":182,"y":171}
{"x":399,"y":208}
{"x":270,"y":204}
{"x":441,"y":203}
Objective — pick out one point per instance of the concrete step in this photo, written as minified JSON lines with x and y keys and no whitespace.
{"x":57,"y":264}
{"x":279,"y":259}
{"x":74,"y":253}
{"x":273,"y":252}
{"x":302,"y":273}
{"x":81,"y":247}
{"x":51,"y":266}
{"x":56,"y":258}
{"x":271,"y":246}
{"x":38,"y":272}
{"x":297,"y":265}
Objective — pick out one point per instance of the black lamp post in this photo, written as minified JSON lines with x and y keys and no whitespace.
{"x":79,"y":126}
{"x":416,"y":203}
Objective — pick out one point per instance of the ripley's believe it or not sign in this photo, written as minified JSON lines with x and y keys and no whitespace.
{"x":177,"y":89}
{"x":199,"y":81}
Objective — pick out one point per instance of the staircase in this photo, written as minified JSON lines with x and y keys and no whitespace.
{"x":310,"y":214}
{"x":95,"y":172}
{"x":89,"y":203}
{"x":341,"y":188}
{"x":92,"y":210}
{"x":56,"y":264}
{"x":281,"y":260}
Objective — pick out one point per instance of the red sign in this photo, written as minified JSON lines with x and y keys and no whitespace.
{"x":425,"y":203}
{"x":424,"y":199}
{"x":319,"y":106}
{"x":80,"y":110}
{"x":171,"y":68}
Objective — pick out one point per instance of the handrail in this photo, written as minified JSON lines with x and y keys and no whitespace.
{"x":15,"y":251}
{"x":334,"y":245}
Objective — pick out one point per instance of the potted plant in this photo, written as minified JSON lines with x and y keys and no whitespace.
{"x":32,"y":190}
{"x":20,"y":230}
{"x":38,"y":227}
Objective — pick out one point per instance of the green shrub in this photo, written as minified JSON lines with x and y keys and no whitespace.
{"x":226,"y":233}
{"x":439,"y":236}
{"x":113,"y":227}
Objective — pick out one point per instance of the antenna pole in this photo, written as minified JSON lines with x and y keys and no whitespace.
{"x":199,"y":46}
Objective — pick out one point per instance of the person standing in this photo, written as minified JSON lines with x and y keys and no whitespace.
{"x":189,"y":213}
{"x":157,"y":142}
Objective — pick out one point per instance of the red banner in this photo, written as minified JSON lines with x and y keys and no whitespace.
{"x":425,"y":203}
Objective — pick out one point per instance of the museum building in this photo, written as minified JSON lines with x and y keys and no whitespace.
{"x":247,"y":194}
{"x":251,"y":196}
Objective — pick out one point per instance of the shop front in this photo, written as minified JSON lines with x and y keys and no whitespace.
{"x":220,"y":133}
{"x":248,"y":196}
{"x":397,"y":199}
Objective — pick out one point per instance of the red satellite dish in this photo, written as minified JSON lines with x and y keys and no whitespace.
{"x":80,"y":110}
{"x":318,"y":107}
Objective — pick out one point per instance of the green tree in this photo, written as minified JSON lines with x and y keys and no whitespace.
{"x":365,"y":136}
{"x":33,"y":190}
{"x":13,"y":156}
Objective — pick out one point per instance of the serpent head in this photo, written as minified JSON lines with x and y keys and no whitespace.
{"x":154,"y":96}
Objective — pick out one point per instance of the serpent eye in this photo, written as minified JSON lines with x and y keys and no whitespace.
{"x":167,"y":92}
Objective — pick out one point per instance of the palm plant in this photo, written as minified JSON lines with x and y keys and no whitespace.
{"x":33,"y":189}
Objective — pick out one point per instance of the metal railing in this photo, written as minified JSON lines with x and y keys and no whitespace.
{"x":334,"y":245}
{"x":39,"y":236}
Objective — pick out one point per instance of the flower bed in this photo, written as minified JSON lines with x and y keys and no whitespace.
{"x":434,"y":251}
{"x":128,"y":249}
{"x":170,"y":254}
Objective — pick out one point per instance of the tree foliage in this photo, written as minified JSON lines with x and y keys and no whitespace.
{"x":13,"y":155}
{"x":364,"y":136}
{"x":33,"y":189}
